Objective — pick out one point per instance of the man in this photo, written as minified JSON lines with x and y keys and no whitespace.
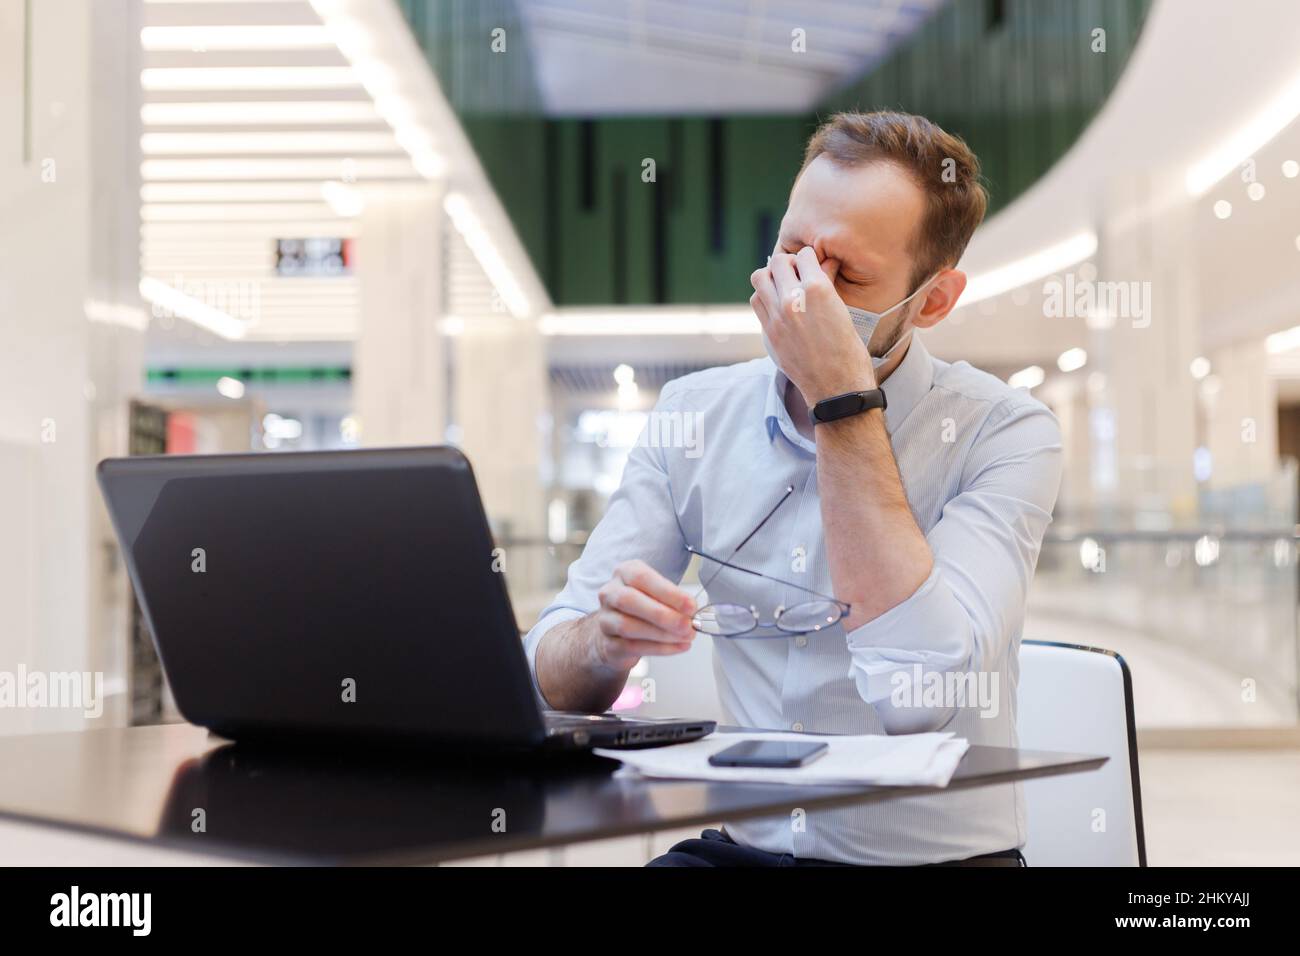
{"x":924,"y":517}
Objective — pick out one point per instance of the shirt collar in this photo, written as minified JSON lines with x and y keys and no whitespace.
{"x":774,"y":407}
{"x":906,"y":386}
{"x":908,"y":383}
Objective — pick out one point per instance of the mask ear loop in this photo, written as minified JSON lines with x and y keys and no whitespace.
{"x":880,"y":359}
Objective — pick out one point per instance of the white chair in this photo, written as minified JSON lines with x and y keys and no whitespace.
{"x":1080,"y":700}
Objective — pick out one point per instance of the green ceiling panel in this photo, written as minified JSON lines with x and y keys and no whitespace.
{"x":1018,"y":79}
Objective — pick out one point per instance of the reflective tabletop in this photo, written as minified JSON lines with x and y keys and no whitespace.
{"x":357,"y":806}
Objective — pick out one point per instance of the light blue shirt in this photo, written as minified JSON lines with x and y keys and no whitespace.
{"x":981,"y":465}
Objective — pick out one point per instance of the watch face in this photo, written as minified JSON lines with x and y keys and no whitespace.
{"x":842,"y":406}
{"x":845,"y":405}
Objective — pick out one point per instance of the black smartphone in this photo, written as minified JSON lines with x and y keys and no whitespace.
{"x":768,"y":753}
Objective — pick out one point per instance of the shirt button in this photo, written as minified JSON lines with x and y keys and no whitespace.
{"x":797,"y":727}
{"x":801,"y":641}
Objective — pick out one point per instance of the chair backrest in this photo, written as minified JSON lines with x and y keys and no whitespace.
{"x":1080,"y":699}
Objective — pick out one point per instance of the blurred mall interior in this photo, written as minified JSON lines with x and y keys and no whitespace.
{"x":280,"y":225}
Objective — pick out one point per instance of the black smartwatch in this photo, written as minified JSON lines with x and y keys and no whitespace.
{"x":850,"y":403}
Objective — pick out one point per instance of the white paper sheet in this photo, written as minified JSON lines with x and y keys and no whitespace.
{"x":904,"y":760}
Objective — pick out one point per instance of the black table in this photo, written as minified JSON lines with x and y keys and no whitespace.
{"x":365,"y":807}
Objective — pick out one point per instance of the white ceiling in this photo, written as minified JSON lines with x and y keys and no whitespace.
{"x":707,"y":56}
{"x":1166,"y":113}
{"x":233,"y":160}
{"x":276,"y":119}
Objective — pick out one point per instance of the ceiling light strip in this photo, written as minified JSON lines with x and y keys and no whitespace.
{"x":259,"y":113}
{"x":203,"y":39}
{"x":248,"y":78}
{"x":1038,"y":265}
{"x":251,"y":143}
{"x":225,"y":170}
{"x":668,"y":320}
{"x":187,"y":307}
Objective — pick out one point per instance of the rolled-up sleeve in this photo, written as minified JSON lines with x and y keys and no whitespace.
{"x":640,"y":522}
{"x":966,"y":614}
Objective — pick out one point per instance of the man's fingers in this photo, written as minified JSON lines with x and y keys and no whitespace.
{"x":810,"y":268}
{"x":818,"y":277}
{"x":622,"y":647}
{"x":784,"y":275}
{"x":641,"y":576}
{"x":765,"y":289}
{"x":640,"y":605}
{"x":655,"y":649}
{"x":625,"y":627}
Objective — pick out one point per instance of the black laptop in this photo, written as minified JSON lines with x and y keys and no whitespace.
{"x":320,"y":595}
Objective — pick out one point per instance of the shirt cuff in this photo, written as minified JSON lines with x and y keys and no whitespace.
{"x":930,"y":629}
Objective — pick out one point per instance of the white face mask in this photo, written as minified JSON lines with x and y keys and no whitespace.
{"x":866,"y":322}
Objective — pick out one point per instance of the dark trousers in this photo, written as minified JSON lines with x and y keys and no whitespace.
{"x":715,"y":848}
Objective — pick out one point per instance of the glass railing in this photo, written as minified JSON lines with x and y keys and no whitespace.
{"x":1206,"y":618}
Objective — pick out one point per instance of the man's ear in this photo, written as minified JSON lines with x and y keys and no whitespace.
{"x":941,"y":299}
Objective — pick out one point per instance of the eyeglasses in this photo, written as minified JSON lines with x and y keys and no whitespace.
{"x":737,"y":620}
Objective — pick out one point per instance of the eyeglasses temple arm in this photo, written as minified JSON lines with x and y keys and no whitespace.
{"x":789,"y":490}
{"x":759,"y":574}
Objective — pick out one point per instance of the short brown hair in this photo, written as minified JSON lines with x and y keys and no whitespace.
{"x":940,"y":163}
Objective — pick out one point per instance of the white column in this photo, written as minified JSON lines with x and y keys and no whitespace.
{"x":1143,"y":415}
{"x":1068,"y":399}
{"x":399,"y":375}
{"x":1240,"y":398}
{"x":70,"y":342}
{"x":501,"y":395}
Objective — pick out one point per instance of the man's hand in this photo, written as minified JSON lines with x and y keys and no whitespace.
{"x":641,"y":614}
{"x":583,"y":664}
{"x":808,"y":326}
